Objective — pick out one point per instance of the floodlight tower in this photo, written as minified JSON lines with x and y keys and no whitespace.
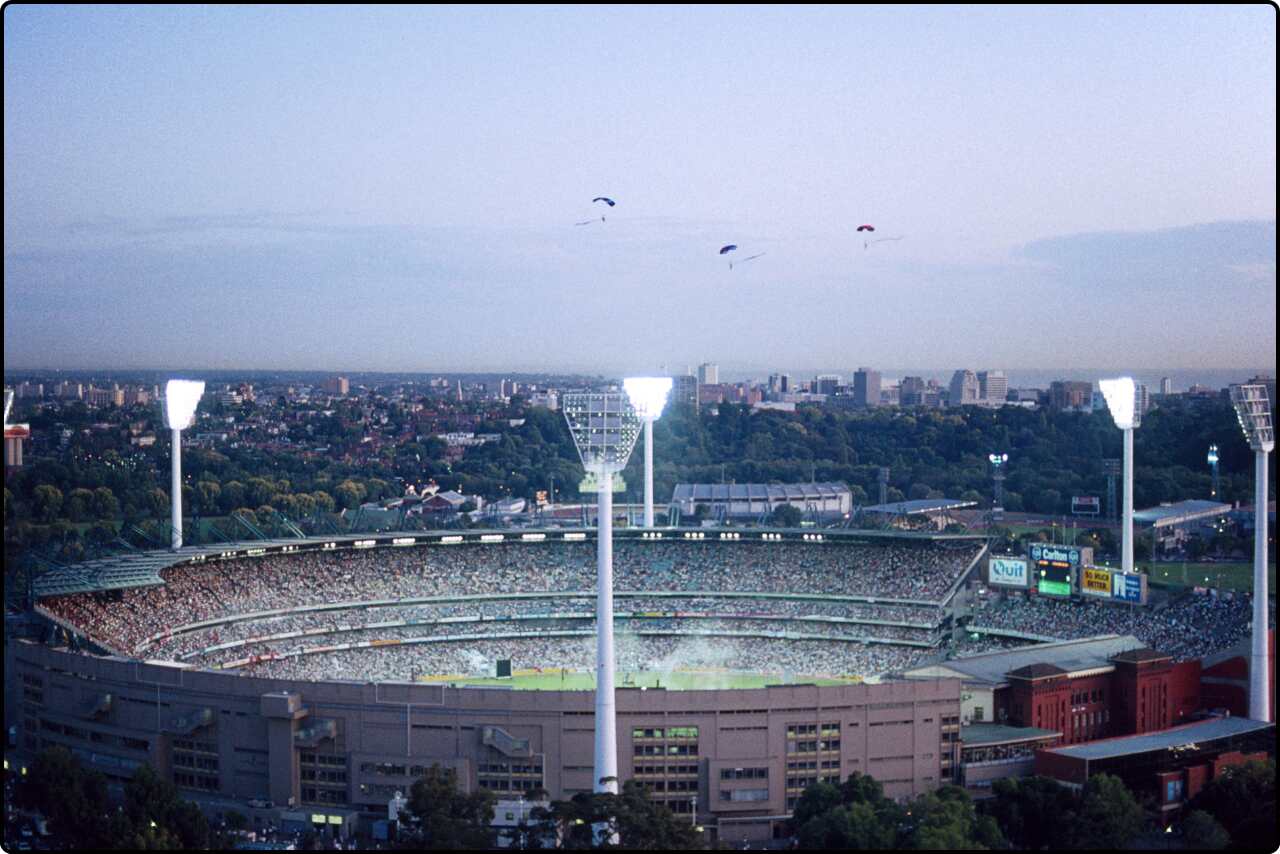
{"x":180,"y":399}
{"x":648,"y":397}
{"x":1213,"y":464}
{"x":1253,"y":410}
{"x":997,"y":476}
{"x":1121,"y":396}
{"x":604,"y":428}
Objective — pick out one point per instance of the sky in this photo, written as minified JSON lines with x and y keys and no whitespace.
{"x":388,"y":188}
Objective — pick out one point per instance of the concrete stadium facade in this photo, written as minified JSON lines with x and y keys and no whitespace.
{"x":335,"y":752}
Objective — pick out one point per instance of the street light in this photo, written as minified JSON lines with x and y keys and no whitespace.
{"x":1121,"y":397}
{"x":180,"y":399}
{"x":1253,"y":411}
{"x":604,"y":428}
{"x":648,"y":396}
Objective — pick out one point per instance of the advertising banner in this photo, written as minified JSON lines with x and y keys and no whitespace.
{"x":1095,"y":582}
{"x":1127,"y":588}
{"x":1007,"y":572}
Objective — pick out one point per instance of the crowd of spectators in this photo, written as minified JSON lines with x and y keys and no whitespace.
{"x":125,"y":620}
{"x":662,"y":654}
{"x":812,"y":616}
{"x":1191,"y":625}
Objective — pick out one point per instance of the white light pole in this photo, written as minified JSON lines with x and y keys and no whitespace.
{"x":1121,"y":396}
{"x":604,"y":428}
{"x":648,"y":396}
{"x":1253,"y":410}
{"x":180,"y":399}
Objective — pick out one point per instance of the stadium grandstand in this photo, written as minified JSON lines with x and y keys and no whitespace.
{"x":323,"y":673}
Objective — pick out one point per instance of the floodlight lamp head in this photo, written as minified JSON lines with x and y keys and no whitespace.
{"x":1121,"y":396}
{"x":648,"y":395}
{"x":998,"y":459}
{"x":604,"y":427}
{"x":1213,"y":454}
{"x":1253,"y":411}
{"x":180,"y":400}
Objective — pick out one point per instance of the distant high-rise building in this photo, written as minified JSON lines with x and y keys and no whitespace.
{"x":684,"y":391}
{"x":826,"y":384}
{"x":964,"y":389}
{"x":1143,"y":398}
{"x":1166,"y":386}
{"x":993,"y":387}
{"x":70,"y":391}
{"x":911,"y":391}
{"x":866,"y":387}
{"x":709,"y":373}
{"x":1070,"y":394}
{"x":113,"y":396}
{"x":337,"y":386}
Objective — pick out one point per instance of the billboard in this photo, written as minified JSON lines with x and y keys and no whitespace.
{"x":1007,"y":571}
{"x":1086,"y":505}
{"x":1095,"y":582}
{"x":1127,"y":588}
{"x":1053,"y":567}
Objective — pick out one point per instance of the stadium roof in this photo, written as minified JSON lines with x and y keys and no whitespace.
{"x":1071,"y":656}
{"x":1189,"y":734}
{"x":131,"y":569}
{"x":757,"y":491}
{"x":1167,"y":515}
{"x":921,"y":505}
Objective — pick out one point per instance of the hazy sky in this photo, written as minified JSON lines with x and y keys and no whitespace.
{"x":396,"y":188}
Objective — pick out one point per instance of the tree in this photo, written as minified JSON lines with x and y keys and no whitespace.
{"x":48,"y":501}
{"x":1108,"y":816}
{"x":443,"y":817}
{"x":786,"y":516}
{"x":638,"y":822}
{"x":158,"y":503}
{"x":80,"y":505}
{"x":105,"y":505}
{"x":72,"y":799}
{"x":1243,"y":801}
{"x":1033,"y":812}
{"x":1201,"y":830}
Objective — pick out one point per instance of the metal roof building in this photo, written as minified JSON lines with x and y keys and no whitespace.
{"x":754,"y":499}
{"x":1173,"y":515}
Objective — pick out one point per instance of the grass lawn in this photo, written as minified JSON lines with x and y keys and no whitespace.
{"x":1227,"y":576}
{"x":555,"y":679}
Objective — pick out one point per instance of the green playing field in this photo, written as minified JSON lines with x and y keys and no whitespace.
{"x":572,"y":680}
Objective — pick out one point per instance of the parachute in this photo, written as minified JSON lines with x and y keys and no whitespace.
{"x":724,"y":250}
{"x":608,"y":201}
{"x":866,"y":228}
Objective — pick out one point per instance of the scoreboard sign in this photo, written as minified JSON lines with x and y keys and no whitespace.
{"x":1086,"y":505}
{"x":1095,"y":582}
{"x":1007,"y":572}
{"x":1054,"y":566}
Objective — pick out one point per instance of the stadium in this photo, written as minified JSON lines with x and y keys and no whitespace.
{"x":322,"y":675}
